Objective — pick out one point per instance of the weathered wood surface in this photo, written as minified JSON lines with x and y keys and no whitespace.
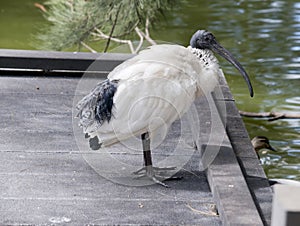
{"x":45,"y":178}
{"x":51,"y":62}
{"x":252,"y":170}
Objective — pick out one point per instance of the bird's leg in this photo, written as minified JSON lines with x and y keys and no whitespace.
{"x":146,"y":150}
{"x":149,"y":169}
{"x":148,"y":159}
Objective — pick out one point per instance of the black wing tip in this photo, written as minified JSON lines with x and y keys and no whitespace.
{"x":104,"y":104}
{"x":94,"y":143}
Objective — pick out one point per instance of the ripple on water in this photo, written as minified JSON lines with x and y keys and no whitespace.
{"x":294,"y":100}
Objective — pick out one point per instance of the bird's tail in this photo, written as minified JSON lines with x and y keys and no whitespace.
{"x":96,"y":108}
{"x":86,"y":111}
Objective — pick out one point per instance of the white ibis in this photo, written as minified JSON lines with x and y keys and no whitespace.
{"x":150,"y":91}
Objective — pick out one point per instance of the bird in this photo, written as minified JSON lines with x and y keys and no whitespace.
{"x":262,"y":142}
{"x":150,"y":91}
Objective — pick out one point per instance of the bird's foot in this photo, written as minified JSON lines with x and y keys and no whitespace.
{"x":156,"y":174}
{"x":156,"y":170}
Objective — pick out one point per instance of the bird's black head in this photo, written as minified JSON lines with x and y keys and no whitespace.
{"x":206,"y":40}
{"x":202,"y":40}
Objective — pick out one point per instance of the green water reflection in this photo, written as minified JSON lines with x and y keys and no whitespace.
{"x":265,"y":37}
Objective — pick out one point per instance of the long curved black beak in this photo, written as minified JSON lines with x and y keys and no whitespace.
{"x":217,"y":48}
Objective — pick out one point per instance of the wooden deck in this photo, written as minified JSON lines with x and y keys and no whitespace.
{"x":48,"y":177}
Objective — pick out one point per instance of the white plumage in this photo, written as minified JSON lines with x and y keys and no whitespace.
{"x":159,"y":83}
{"x":150,"y":91}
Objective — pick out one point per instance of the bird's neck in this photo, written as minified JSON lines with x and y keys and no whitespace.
{"x":205,"y":55}
{"x":207,"y":69}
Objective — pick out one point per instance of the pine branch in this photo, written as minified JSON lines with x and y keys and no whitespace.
{"x":147,"y":35}
{"x":74,"y":21}
{"x":88,"y":47}
{"x":141,"y":40}
{"x":104,"y":36}
{"x":112,"y":29}
{"x":40,"y":6}
{"x":147,"y":27}
{"x":271,"y":115}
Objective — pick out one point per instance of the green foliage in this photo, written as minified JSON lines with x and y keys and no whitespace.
{"x":74,"y":21}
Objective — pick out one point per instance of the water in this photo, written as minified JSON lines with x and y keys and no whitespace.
{"x":263,"y":35}
{"x":19,"y":20}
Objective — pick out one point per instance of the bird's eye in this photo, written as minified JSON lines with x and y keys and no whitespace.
{"x":208,"y":37}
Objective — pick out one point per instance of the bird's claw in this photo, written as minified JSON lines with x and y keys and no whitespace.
{"x":156,"y":170}
{"x":156,"y":174}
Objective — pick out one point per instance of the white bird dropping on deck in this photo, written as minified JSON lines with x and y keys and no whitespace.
{"x":152,"y":90}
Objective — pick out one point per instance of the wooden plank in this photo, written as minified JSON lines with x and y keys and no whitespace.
{"x":42,"y":107}
{"x":44,"y":178}
{"x":231,"y":191}
{"x":253,"y":172}
{"x":48,"y":62}
{"x":39,"y":187}
{"x":224,"y":174}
